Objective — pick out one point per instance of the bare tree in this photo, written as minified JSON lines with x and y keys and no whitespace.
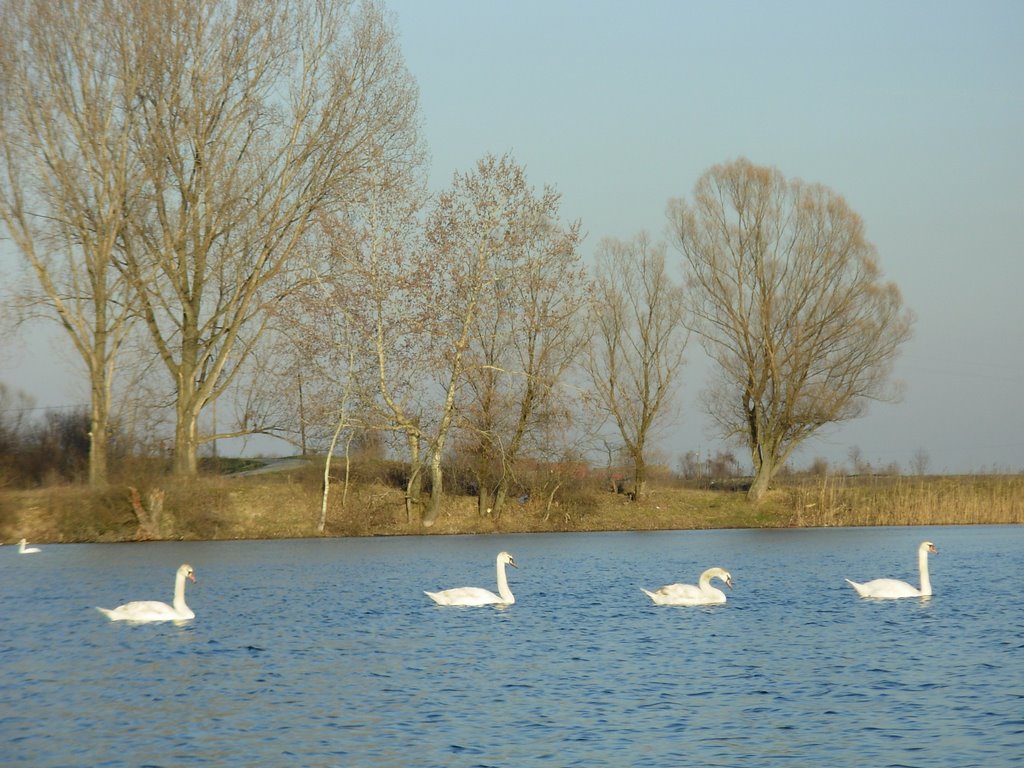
{"x":69,"y":179}
{"x":858,"y":464}
{"x":919,"y":462}
{"x":471,"y":230}
{"x":253,"y":119}
{"x":525,"y":336}
{"x":380,"y":279}
{"x":789,"y":299}
{"x":635,"y":357}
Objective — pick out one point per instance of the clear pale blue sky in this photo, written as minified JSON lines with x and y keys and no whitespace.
{"x":914,"y":111}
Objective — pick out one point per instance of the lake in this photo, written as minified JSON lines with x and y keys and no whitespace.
{"x":326,"y":652}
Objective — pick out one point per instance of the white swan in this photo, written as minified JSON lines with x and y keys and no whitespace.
{"x":890,"y":589}
{"x":154,"y":610}
{"x":25,"y":549}
{"x":477,"y":595}
{"x":687,"y":594}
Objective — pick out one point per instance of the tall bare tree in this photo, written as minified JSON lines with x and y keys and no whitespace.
{"x":790,"y":302}
{"x":635,"y":357}
{"x":526,"y":336}
{"x":380,"y":276}
{"x":253,"y":119}
{"x":69,"y":179}
{"x":471,"y":225}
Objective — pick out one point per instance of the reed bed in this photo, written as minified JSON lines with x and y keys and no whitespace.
{"x":897,"y":500}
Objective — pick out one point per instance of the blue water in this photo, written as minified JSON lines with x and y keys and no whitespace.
{"x":327,"y":653}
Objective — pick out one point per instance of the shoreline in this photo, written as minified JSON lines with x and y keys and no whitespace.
{"x":286,"y":506}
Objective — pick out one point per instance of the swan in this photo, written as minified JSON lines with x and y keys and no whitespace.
{"x":687,"y":594}
{"x":154,"y":610}
{"x":477,"y":595}
{"x":890,"y":589}
{"x":25,"y":549}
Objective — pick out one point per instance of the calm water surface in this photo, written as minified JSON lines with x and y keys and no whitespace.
{"x":327,"y":653}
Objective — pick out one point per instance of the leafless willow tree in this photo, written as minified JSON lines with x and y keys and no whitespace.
{"x":526,"y":333}
{"x":638,"y":316}
{"x":70,"y":181}
{"x":790,"y":302}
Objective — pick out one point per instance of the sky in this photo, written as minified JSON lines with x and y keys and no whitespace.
{"x":912,"y":111}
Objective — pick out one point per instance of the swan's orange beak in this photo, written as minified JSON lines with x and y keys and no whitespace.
{"x":728,"y":583}
{"x":933,"y":549}
{"x":192,"y":577}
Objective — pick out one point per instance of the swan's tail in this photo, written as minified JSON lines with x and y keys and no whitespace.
{"x":106,"y":612}
{"x":856,"y":586}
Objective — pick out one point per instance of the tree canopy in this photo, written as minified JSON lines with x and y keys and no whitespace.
{"x":789,"y":300}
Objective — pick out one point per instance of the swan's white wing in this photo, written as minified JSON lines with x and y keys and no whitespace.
{"x":680,"y":591}
{"x":885,"y":589}
{"x":465,"y":596}
{"x":145,"y":610}
{"x":676,"y":594}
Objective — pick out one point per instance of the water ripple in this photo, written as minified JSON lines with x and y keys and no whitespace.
{"x":326,"y":653}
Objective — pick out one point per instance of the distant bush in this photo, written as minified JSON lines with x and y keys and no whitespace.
{"x":94,"y":515}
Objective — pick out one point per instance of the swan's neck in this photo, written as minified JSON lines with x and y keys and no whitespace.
{"x":705,"y":584}
{"x":503,"y":590}
{"x":922,"y":564}
{"x":179,"y":593}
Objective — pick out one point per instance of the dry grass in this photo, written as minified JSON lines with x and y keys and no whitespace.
{"x":288,"y":505}
{"x":962,"y":500}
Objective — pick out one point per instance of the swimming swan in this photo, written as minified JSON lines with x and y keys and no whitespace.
{"x":890,"y":589}
{"x":153,"y":610}
{"x":477,"y":595}
{"x":24,"y":549}
{"x":687,"y":594}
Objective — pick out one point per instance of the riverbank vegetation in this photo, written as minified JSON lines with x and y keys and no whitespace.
{"x":287,"y":503}
{"x":256,"y":250}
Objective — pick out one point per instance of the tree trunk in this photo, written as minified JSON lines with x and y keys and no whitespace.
{"x":412,"y":495}
{"x":414,"y":486}
{"x":186,"y":444}
{"x":150,"y":518}
{"x":98,"y":443}
{"x":551,"y":499}
{"x":639,"y":479}
{"x":500,"y":496}
{"x":322,"y":522}
{"x":436,"y":490}
{"x":483,"y":498}
{"x":764,"y":472}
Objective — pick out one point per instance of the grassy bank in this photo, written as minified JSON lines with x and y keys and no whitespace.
{"x":288,"y":505}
